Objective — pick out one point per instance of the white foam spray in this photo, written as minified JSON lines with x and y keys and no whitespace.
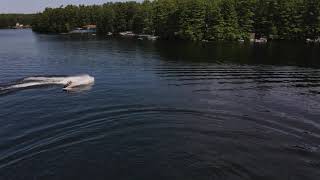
{"x":69,"y":82}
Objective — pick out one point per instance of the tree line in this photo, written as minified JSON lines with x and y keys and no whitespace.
{"x":10,"y":20}
{"x":191,"y":19}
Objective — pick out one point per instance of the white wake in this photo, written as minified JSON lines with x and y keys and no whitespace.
{"x":68,"y":82}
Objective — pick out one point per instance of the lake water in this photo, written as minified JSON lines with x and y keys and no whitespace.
{"x":159,"y":110}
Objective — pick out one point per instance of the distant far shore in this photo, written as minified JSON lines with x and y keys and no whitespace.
{"x":16,"y":21}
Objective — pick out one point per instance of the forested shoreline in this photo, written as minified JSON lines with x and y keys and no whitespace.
{"x":10,"y":20}
{"x":191,"y":19}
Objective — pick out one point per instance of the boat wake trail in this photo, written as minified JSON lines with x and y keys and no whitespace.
{"x":69,"y":83}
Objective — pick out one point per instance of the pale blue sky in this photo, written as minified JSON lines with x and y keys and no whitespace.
{"x":32,"y":6}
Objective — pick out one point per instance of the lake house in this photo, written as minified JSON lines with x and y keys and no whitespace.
{"x":85,"y":29}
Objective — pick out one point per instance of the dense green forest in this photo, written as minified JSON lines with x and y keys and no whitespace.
{"x":9,"y":20}
{"x":191,"y":19}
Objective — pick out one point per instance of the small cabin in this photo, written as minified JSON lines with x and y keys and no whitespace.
{"x":18,"y":26}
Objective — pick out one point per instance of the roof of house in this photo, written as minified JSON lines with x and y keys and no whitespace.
{"x":90,"y":26}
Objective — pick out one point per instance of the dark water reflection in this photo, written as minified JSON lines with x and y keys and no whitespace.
{"x":160,"y":110}
{"x":276,"y":53}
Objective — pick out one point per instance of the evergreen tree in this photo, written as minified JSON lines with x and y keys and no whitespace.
{"x":142,"y":21}
{"x":106,"y":20}
{"x":166,"y":19}
{"x":231,"y":27}
{"x":192,"y":20}
{"x":264,"y":19}
{"x":312,"y":18}
{"x":245,"y":13}
{"x":213,"y":22}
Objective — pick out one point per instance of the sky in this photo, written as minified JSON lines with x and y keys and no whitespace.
{"x":33,"y":6}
